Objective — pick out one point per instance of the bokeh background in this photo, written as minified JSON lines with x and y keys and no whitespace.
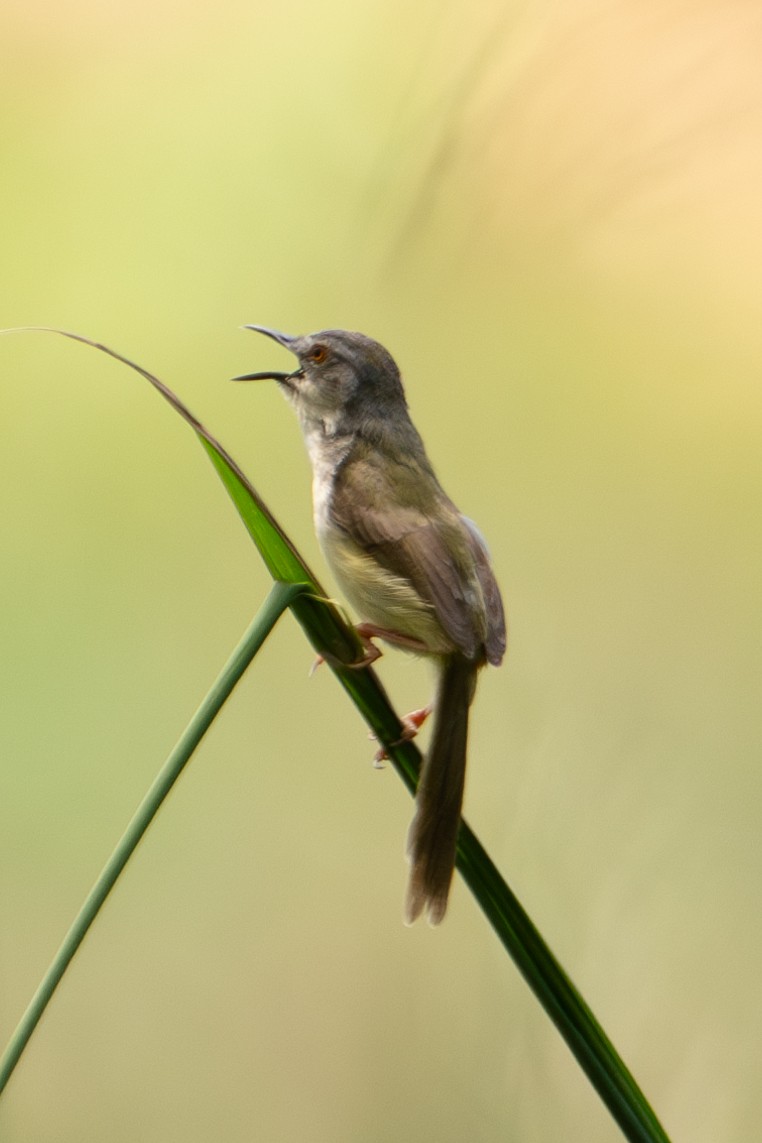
{"x":552,"y":214}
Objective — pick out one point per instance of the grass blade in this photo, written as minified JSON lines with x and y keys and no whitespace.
{"x":280,"y":597}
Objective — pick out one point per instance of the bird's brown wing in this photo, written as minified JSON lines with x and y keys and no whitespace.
{"x":432,"y":550}
{"x":496,"y":639}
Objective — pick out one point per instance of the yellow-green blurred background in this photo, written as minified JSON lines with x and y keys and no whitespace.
{"x":552,"y":215}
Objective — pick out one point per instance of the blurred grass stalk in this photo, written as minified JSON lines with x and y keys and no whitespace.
{"x":331,"y":635}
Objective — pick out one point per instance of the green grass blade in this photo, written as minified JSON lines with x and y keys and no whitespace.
{"x":329,"y":633}
{"x":281,"y":596}
{"x":591,"y":1046}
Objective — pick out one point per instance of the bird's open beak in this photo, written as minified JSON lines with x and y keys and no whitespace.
{"x":283,"y":339}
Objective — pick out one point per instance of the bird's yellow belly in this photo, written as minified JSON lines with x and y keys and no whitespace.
{"x":380,"y":597}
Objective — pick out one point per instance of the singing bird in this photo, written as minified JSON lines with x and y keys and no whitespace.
{"x":417,"y":572}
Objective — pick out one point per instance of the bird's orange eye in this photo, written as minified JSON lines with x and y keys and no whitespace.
{"x":319,"y":354}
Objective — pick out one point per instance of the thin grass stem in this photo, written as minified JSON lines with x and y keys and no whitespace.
{"x":281,"y":596}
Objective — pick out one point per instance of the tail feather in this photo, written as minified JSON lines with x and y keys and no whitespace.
{"x":433,"y":835}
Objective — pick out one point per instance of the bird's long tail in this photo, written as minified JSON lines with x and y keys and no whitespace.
{"x":433,"y":835}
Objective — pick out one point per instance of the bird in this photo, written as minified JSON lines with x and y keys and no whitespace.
{"x":417,"y":571}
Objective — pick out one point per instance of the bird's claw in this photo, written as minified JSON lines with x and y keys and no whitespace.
{"x":370,"y":653}
{"x":411,"y":724}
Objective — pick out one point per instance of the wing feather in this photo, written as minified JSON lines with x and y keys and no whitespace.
{"x":403,"y":520}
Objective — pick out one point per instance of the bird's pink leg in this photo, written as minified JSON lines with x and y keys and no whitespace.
{"x":411,"y":724}
{"x":368,"y":632}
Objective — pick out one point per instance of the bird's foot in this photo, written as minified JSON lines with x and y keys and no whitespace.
{"x":411,"y":724}
{"x":370,"y":653}
{"x":367,"y":632}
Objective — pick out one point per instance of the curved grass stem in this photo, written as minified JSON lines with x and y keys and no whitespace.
{"x":281,"y":596}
